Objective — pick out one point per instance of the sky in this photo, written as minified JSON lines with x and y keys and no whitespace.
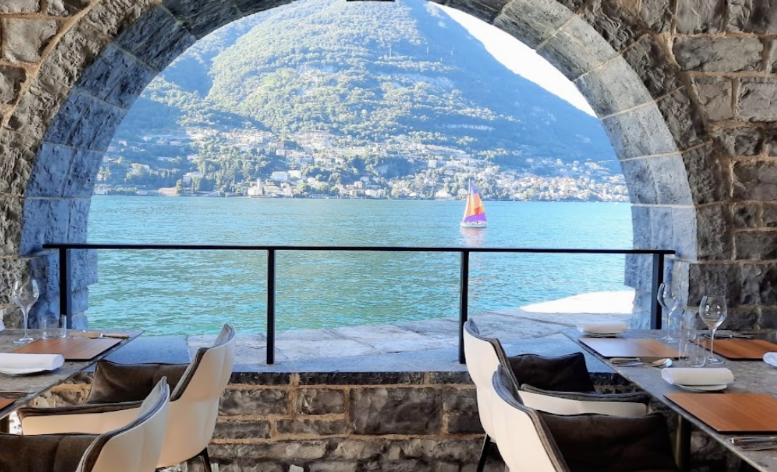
{"x":521,"y":59}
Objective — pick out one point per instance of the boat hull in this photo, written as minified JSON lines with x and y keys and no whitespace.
{"x":474,"y":224}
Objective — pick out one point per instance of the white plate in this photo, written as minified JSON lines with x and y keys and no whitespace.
{"x":703,"y":388}
{"x":10,"y":371}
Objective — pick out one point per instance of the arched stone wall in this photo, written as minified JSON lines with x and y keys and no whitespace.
{"x":683,"y":88}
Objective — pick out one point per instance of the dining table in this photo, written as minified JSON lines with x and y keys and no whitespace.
{"x":750,"y":376}
{"x":17,"y":391}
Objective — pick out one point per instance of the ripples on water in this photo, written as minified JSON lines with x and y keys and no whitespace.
{"x":177,"y":292}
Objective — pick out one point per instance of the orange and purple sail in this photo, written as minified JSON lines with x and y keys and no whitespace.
{"x":475,"y":213}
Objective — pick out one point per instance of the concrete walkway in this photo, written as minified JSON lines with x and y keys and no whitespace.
{"x":430,"y":345}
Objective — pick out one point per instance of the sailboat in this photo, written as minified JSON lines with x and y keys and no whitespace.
{"x":474,"y":213}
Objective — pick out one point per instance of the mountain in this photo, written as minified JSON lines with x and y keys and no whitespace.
{"x":363,"y":74}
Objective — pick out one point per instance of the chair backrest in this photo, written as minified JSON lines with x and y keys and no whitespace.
{"x":483,"y":357}
{"x":524,"y":441}
{"x":135,"y":447}
{"x":572,"y":404}
{"x":195,"y":401}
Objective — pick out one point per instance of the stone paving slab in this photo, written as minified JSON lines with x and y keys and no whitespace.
{"x":428,"y":346}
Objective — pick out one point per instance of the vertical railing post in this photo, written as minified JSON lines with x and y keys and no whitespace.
{"x":657,"y":279}
{"x":463,"y":302}
{"x":65,"y":284}
{"x":270,"y":306}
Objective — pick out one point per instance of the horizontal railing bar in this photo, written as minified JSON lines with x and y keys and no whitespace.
{"x":212,"y":247}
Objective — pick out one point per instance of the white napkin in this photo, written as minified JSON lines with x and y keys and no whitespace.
{"x":771,"y":358}
{"x":696,"y":376}
{"x":31,"y":361}
{"x":602,"y":327}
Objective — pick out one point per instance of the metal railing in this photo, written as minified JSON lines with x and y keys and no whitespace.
{"x":65,"y":280}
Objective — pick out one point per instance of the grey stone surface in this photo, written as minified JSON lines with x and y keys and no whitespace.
{"x":714,"y":234}
{"x":720,"y":278}
{"x":532,"y":22}
{"x":111,"y":16}
{"x":642,"y":188}
{"x":24,"y":39}
{"x":155,"y":38}
{"x":706,"y":177}
{"x":17,"y":153}
{"x":649,"y":61}
{"x":613,"y":22}
{"x":311,"y":427}
{"x":746,"y":215}
{"x":672,"y":187}
{"x":683,"y":119}
{"x":19,"y":6}
{"x":115,"y":77}
{"x":758,"y":284}
{"x":757,"y":98}
{"x":66,"y":7}
{"x":242,"y":429}
{"x":769,"y":215}
{"x":639,"y":132}
{"x":752,"y":16}
{"x":701,"y":16}
{"x":756,"y":245}
{"x":254,"y":402}
{"x":576,"y":49}
{"x":11,"y":79}
{"x":657,"y":14}
{"x":377,"y":411}
{"x":612,"y":88}
{"x":718,"y":54}
{"x":740,"y":141}
{"x":320,"y":401}
{"x":462,"y":410}
{"x":755,"y":180}
{"x":715,"y":96}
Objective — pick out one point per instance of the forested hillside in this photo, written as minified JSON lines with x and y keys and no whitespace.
{"x":381,"y":81}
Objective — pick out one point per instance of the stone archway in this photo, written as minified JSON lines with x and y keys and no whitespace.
{"x":673,"y":104}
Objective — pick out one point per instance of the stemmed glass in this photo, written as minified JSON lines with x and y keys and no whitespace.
{"x":670,"y":305}
{"x":25,"y":293}
{"x":712,"y":311}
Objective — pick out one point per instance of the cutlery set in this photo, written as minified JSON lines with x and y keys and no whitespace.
{"x":638,"y":361}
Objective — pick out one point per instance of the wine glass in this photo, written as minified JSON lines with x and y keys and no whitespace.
{"x":669,"y":305}
{"x":712,"y":311}
{"x":25,"y":293}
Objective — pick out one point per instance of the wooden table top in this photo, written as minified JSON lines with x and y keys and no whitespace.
{"x":750,"y":376}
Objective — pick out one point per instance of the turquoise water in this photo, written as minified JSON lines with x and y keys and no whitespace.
{"x":177,"y":292}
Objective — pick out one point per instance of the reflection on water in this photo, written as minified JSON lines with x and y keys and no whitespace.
{"x":474,"y":237}
{"x":175,"y":292}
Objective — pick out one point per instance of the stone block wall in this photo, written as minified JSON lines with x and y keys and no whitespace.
{"x":363,"y":421}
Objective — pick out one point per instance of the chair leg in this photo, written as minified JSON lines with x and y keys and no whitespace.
{"x":205,"y":460}
{"x":484,"y":453}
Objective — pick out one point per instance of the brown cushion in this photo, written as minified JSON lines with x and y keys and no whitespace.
{"x":561,"y":373}
{"x":43,"y":453}
{"x":597,"y":443}
{"x":114,"y":383}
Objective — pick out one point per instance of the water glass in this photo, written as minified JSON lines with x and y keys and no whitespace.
{"x":691,"y":353}
{"x":53,"y":327}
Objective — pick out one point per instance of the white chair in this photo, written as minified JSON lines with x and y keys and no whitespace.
{"x":133,"y":447}
{"x":194,"y":402}
{"x":535,"y":441}
{"x":482,"y":356}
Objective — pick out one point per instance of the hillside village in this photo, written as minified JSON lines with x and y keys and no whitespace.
{"x":316,"y":164}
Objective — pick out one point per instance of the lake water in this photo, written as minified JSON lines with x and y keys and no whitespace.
{"x":177,"y":292}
